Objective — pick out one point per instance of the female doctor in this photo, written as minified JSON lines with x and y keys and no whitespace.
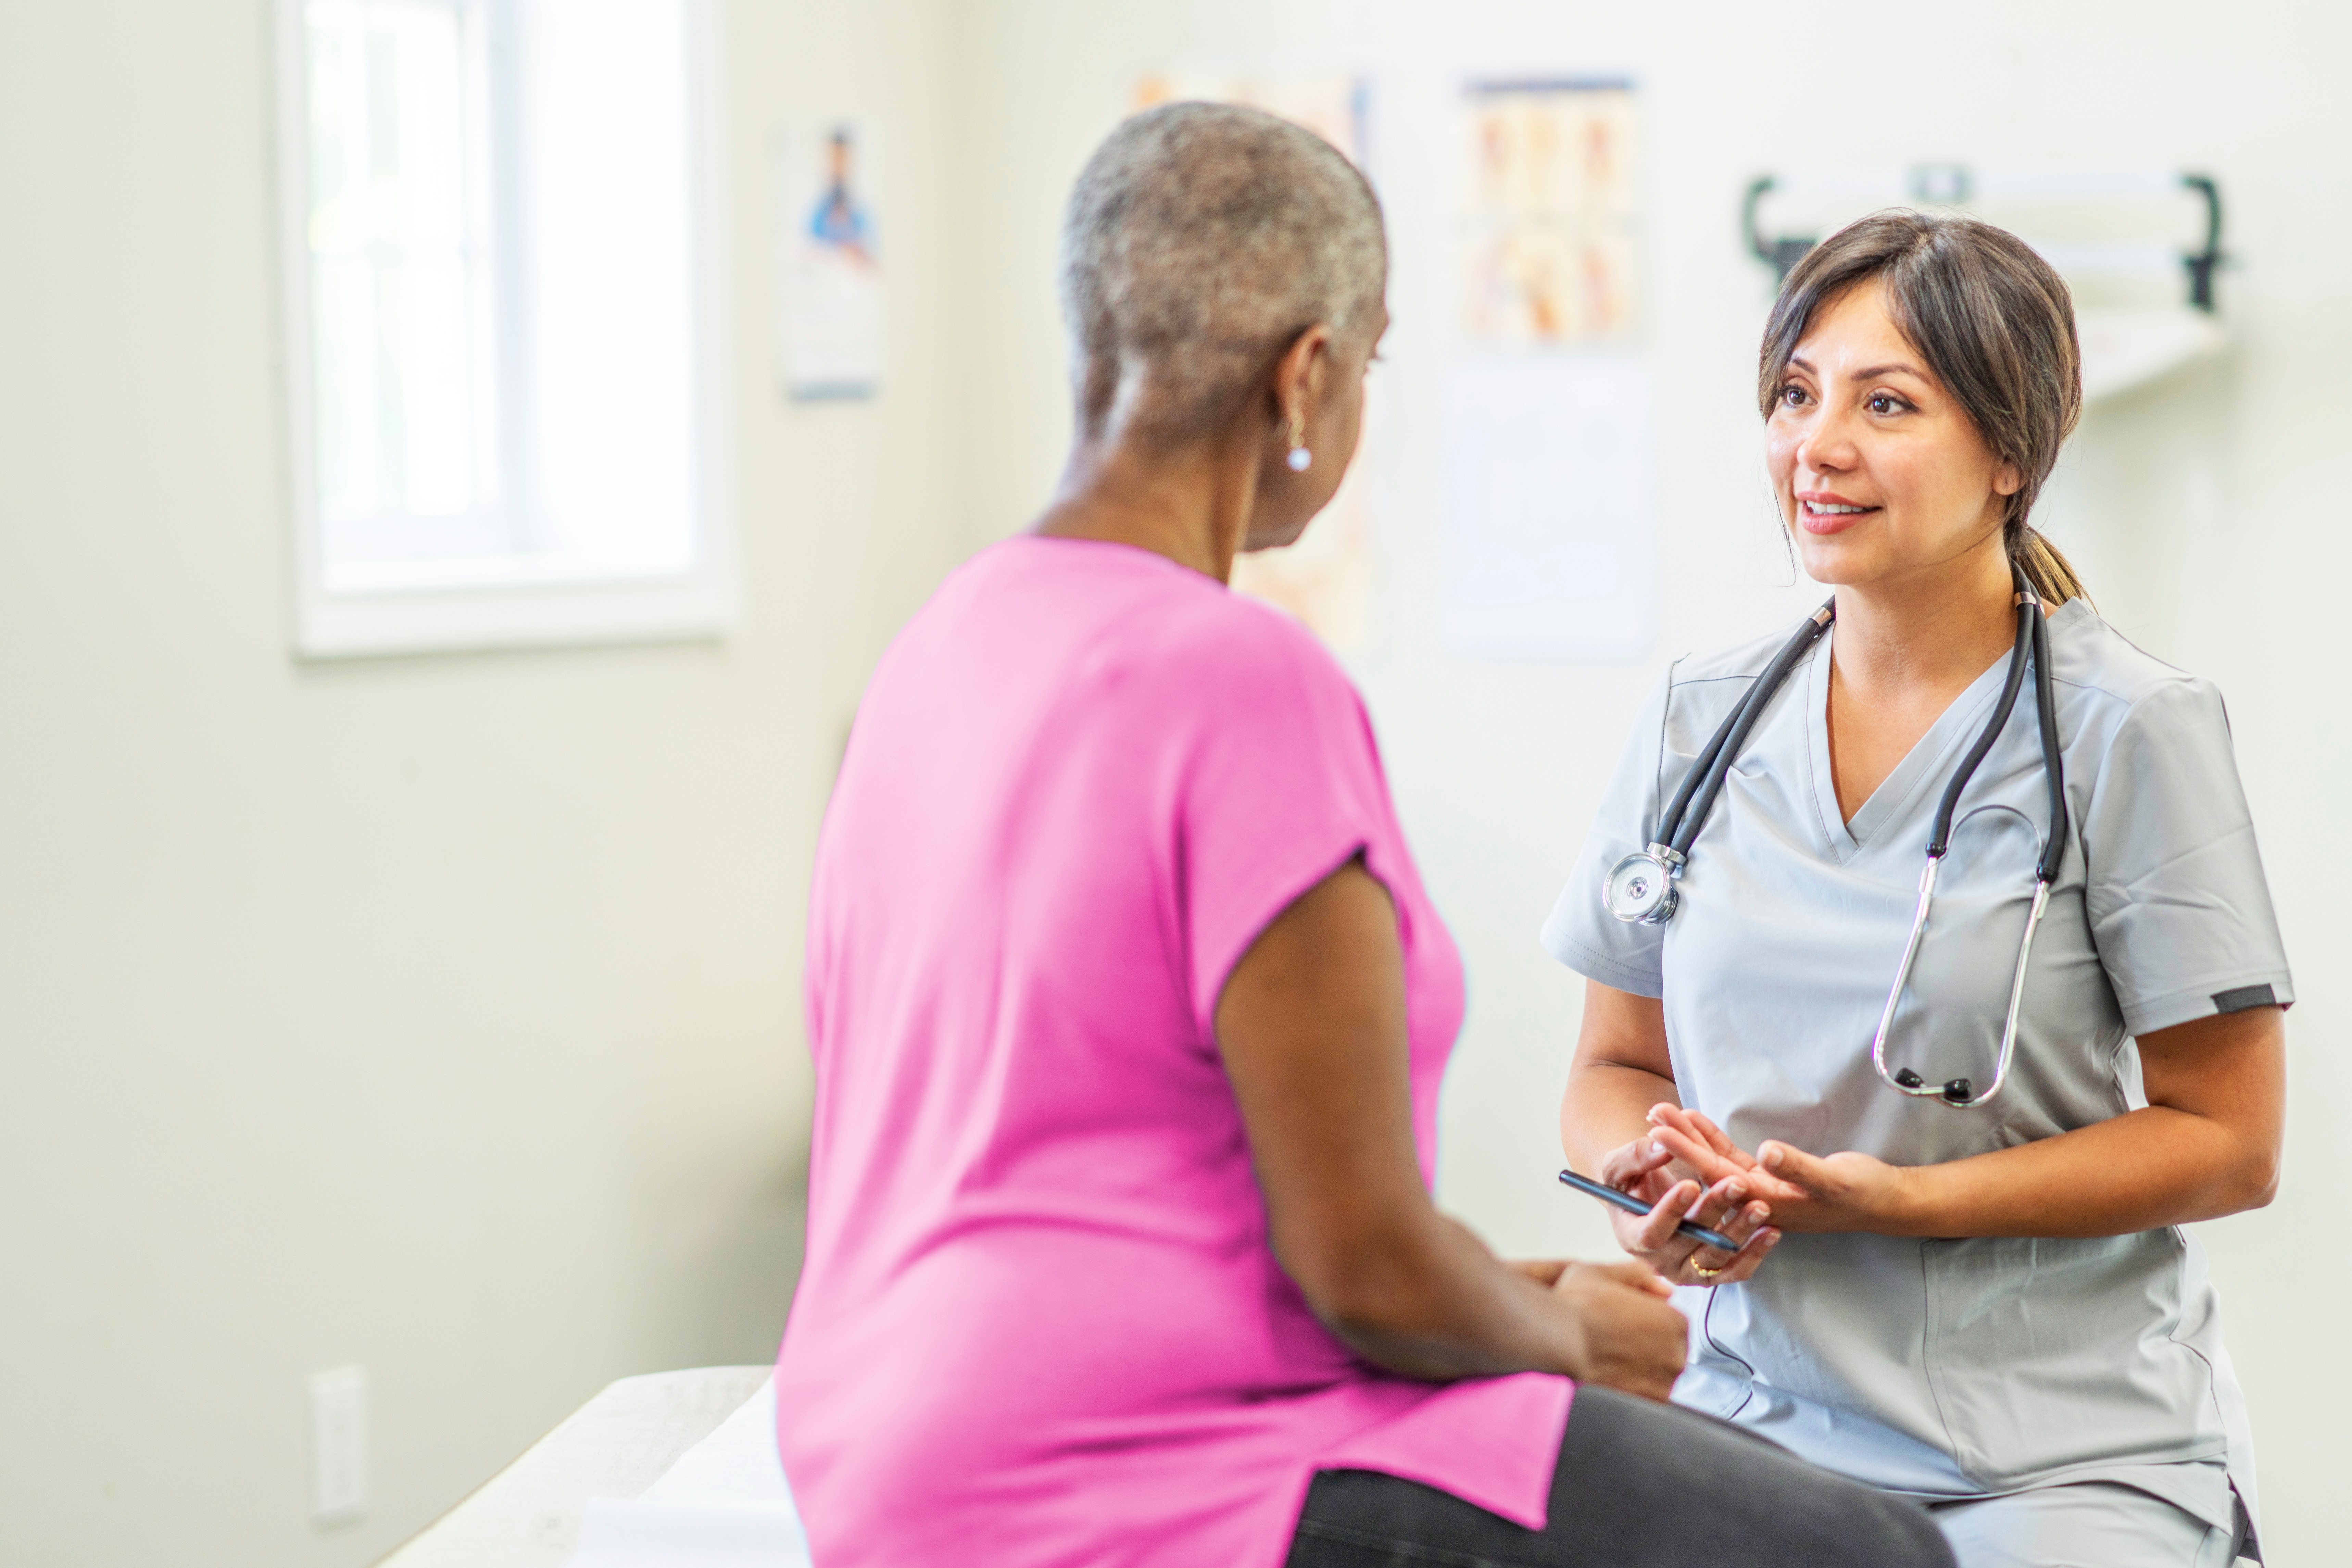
{"x":1958,"y":1188}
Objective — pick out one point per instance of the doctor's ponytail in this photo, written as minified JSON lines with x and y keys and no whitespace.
{"x":1995,"y":323}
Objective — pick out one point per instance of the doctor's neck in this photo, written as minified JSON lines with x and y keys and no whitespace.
{"x":1938,"y":625}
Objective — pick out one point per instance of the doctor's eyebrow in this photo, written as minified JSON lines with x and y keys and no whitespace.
{"x":1872,"y":373}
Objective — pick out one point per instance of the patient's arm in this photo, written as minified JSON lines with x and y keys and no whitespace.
{"x":1312,"y":1025}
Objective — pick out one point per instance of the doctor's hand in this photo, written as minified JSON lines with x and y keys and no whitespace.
{"x":1804,"y":1191}
{"x":1649,"y":1170}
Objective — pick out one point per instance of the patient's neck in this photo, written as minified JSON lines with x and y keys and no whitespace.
{"x":1191,"y":503}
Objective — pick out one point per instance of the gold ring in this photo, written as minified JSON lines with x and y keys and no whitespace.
{"x":1701,"y":1269}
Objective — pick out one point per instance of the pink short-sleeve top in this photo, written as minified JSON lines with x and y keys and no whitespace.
{"x":1040,"y":1321}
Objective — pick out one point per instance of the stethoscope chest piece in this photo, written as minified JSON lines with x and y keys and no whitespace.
{"x":1640,"y":889}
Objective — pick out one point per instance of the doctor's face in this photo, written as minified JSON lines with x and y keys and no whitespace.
{"x":1880,"y":474}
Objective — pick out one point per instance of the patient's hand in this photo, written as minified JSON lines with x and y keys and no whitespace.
{"x":1629,"y":1336}
{"x":1804,"y":1191}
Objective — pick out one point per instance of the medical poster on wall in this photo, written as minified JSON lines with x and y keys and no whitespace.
{"x":1325,"y":579}
{"x":1548,"y":214}
{"x":829,"y":299}
{"x":1332,"y":106}
{"x":1550,"y":554}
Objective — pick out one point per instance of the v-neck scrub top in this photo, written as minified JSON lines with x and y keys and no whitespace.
{"x":1040,"y":1323}
{"x":1977,"y":1366}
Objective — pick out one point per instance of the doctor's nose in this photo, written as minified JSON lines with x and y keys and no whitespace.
{"x":1828,"y":447}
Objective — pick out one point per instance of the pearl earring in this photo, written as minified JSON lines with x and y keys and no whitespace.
{"x":1300,"y":458}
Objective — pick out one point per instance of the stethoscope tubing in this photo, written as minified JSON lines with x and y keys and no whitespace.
{"x":2032,"y":642}
{"x":1678,"y":825}
{"x":2053,"y":755}
{"x":1687,"y":814}
{"x":1940,"y":838}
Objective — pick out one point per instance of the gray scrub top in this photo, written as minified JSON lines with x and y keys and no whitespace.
{"x":1949,"y":1367}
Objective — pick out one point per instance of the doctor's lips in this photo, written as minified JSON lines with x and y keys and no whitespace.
{"x":1826,"y":512}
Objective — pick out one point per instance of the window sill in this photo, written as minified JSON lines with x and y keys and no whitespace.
{"x":361,"y":626}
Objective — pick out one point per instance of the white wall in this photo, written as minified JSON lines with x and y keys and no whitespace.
{"x":2209,"y":514}
{"x":439,"y":1014}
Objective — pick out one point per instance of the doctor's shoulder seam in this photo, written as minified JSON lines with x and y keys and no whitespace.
{"x":2100,"y":661}
{"x":1741,"y":661}
{"x":1714,"y":680}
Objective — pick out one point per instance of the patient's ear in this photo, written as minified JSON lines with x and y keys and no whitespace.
{"x":1301,"y":377}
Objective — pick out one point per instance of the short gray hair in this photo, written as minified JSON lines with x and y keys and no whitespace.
{"x":1201,"y":240}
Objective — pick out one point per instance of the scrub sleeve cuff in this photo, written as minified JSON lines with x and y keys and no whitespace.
{"x":1599,"y":966}
{"x":2234,"y":994}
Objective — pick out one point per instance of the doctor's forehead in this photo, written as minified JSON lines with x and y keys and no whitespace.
{"x":1856,"y":335}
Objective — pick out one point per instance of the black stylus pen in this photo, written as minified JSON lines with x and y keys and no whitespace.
{"x":1608,"y":1194}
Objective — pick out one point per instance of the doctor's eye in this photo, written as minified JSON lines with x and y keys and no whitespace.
{"x":1792,"y":395}
{"x":1884,"y":403}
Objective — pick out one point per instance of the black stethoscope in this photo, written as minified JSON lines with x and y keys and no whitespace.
{"x":1640,"y":889}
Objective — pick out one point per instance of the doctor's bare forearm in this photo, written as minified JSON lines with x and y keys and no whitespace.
{"x":2207,"y":1145}
{"x":1603,"y":1110}
{"x":1621,"y":1068}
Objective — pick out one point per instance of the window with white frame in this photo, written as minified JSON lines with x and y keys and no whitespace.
{"x":504,"y":278}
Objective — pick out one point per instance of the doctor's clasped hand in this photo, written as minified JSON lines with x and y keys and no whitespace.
{"x":1720,"y":1200}
{"x":1798,"y":1191}
{"x":2205,"y":1145}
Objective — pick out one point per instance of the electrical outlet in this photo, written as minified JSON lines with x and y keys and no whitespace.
{"x":338,"y":1445}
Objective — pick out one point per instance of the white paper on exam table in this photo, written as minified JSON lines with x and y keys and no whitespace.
{"x":724,"y":1504}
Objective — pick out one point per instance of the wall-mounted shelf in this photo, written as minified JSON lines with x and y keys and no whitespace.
{"x":2124,"y":345}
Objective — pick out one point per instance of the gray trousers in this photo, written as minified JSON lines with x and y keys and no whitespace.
{"x":1638,"y":1486}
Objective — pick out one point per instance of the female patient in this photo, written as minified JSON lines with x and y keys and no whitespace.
{"x":1128,"y":1012}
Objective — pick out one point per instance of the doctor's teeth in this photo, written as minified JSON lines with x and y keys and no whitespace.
{"x":1824,"y":506}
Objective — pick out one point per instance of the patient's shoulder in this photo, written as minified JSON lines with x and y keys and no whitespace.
{"x":1171,"y":646}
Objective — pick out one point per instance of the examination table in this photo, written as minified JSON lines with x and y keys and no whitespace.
{"x":675,"y":1468}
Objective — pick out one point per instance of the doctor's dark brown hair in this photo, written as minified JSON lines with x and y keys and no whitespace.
{"x":1994,"y":322}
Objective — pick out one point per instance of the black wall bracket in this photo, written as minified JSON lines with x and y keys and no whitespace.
{"x":1951,"y":184}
